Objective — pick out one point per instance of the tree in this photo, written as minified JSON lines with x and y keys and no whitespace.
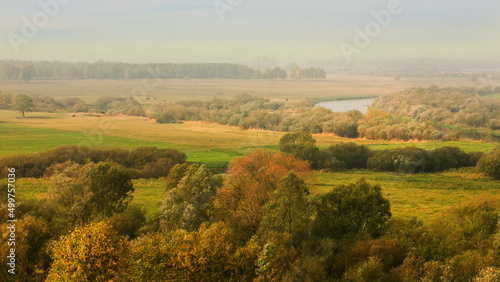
{"x":267,"y":74}
{"x":296,"y":73}
{"x":250,"y":183}
{"x":32,"y":238}
{"x":27,"y":73}
{"x":320,"y":73}
{"x":351,"y":209}
{"x":490,"y":164}
{"x":70,"y":192}
{"x":111,"y":189}
{"x":353,"y":155}
{"x":189,"y":203}
{"x":23,"y":103}
{"x":90,"y":253}
{"x":288,"y":210}
{"x":301,"y":144}
{"x":282,"y":74}
{"x":90,"y":191}
{"x":11,"y":72}
{"x":310,"y":73}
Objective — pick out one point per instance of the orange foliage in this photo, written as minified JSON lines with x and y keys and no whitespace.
{"x":250,"y":182}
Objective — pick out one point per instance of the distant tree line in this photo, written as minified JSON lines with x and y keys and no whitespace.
{"x":25,"y":71}
{"x":104,"y":105}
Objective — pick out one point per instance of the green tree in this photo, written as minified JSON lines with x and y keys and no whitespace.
{"x":90,"y":191}
{"x":27,"y":73}
{"x":91,"y":253}
{"x":288,"y":210}
{"x":111,"y":189}
{"x":490,"y":164}
{"x":70,"y":192}
{"x":23,"y":103}
{"x":11,"y":72}
{"x":267,"y":74}
{"x":189,"y":203}
{"x":320,"y":73}
{"x":310,"y":73}
{"x":353,"y":155}
{"x":301,"y":144}
{"x":351,"y":209}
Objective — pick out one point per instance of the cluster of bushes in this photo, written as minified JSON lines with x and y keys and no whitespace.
{"x":350,"y":155}
{"x":249,"y":112}
{"x":415,"y":160}
{"x":417,"y":114}
{"x":450,"y":106}
{"x":142,"y":162}
{"x":257,"y":224}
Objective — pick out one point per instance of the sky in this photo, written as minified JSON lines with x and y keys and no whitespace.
{"x":242,"y":30}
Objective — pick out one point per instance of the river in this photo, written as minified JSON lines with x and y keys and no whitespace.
{"x":347,"y":105}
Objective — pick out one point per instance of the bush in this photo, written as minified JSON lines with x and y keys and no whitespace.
{"x":448,"y":157}
{"x":406,"y":160}
{"x":489,"y":164}
{"x":354,"y":156}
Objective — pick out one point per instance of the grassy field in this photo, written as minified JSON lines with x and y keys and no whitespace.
{"x":202,"y":142}
{"x":424,"y":196}
{"x":335,"y":86}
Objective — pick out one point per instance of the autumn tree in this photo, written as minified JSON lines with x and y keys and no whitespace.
{"x":32,"y":240}
{"x":91,"y":253}
{"x":189,"y":203}
{"x":250,"y":183}
{"x":209,"y":254}
{"x":23,"y":103}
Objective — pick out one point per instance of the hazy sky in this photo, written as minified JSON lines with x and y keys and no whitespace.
{"x":292,"y":30}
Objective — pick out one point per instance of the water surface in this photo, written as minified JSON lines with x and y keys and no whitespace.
{"x":347,"y":105}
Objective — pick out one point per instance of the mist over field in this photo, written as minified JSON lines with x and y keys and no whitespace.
{"x":235,"y":140}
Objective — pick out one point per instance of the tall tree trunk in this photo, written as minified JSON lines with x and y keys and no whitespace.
{"x":22,"y":113}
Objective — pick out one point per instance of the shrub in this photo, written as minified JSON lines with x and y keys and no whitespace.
{"x":489,"y":164}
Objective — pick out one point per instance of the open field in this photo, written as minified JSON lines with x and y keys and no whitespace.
{"x":336,"y":86}
{"x":424,"y":196}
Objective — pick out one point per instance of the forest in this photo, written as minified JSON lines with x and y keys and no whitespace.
{"x":256,"y":222}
